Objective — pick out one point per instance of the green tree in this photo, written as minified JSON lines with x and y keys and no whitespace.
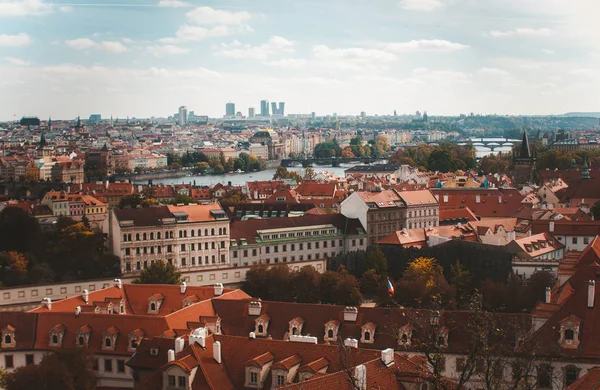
{"x":346,"y":292}
{"x":461,"y":279}
{"x":130,"y":201}
{"x":309,"y":174}
{"x":370,"y":282}
{"x":280,"y":277}
{"x":159,"y":272}
{"x":376,"y":261}
{"x":595,"y":210}
{"x":181,"y":199}
{"x":256,"y":282}
{"x":306,"y":285}
{"x":441,"y":160}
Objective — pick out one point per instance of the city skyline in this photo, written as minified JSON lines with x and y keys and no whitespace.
{"x":145,"y":58}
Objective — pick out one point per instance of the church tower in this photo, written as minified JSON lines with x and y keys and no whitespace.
{"x":524,"y":163}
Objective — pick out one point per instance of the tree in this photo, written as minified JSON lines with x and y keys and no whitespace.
{"x":306,"y":285}
{"x":159,"y":272}
{"x":202,"y":167}
{"x":309,"y":174}
{"x":461,"y":279}
{"x":381,"y":145}
{"x":281,"y":173}
{"x":279,"y":277}
{"x":130,"y":201}
{"x":181,"y":199}
{"x":370,"y":283}
{"x":595,"y":210}
{"x":376,"y":261}
{"x":441,"y":160}
{"x":256,"y":283}
{"x":65,"y":369}
{"x":426,"y":269}
{"x":347,"y":152}
{"x":13,"y":268}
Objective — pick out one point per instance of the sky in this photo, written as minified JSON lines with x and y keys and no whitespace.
{"x":143,"y":58}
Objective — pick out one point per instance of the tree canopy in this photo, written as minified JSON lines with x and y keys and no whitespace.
{"x":159,"y":272}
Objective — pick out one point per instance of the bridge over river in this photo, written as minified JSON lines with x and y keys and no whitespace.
{"x":333,"y":161}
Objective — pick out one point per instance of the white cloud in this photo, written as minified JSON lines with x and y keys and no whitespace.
{"x":198,"y":33}
{"x":287,"y":63}
{"x":80,"y":43}
{"x":17,"y":61}
{"x":21,"y":39}
{"x":548,"y":51}
{"x":433,"y":45}
{"x":275,"y":45}
{"x":421,"y":5}
{"x":211,"y":16}
{"x":24,"y":7}
{"x":522,"y":31}
{"x":166,"y":50}
{"x":173,"y":3}
{"x":65,"y":9}
{"x":493,"y":72}
{"x":113,"y":47}
{"x":354,"y":54}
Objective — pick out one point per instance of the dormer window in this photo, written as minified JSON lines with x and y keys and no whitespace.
{"x":569,"y":332}
{"x":80,"y":341}
{"x":83,"y":336}
{"x":331,"y":330}
{"x":109,"y":338}
{"x":122,"y":307}
{"x":8,"y":337}
{"x":154,"y":303}
{"x":295,"y":326}
{"x":261,"y":325}
{"x":405,"y":335}
{"x":134,"y":339}
{"x":368,"y":333}
{"x":56,"y":335}
{"x":442,"y":337}
{"x":153,"y":306}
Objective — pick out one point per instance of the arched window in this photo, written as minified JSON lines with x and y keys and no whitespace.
{"x":54,"y":339}
{"x":80,"y":341}
{"x":158,"y":236}
{"x":137,"y":236}
{"x":107,"y":342}
{"x":153,"y":306}
{"x":569,"y":334}
{"x":261,"y":329}
{"x":220,"y":231}
{"x":180,"y":234}
{"x":144,"y":236}
{"x":185,"y":233}
{"x":330,"y":334}
{"x":404,"y":339}
{"x":134,"y":344}
{"x":124,"y":237}
{"x":129,"y":237}
{"x":192,"y":233}
{"x":199,"y":232}
{"x":152,"y":236}
{"x":441,"y":340}
{"x":206,"y":232}
{"x":224,"y":230}
{"x":212,"y":231}
{"x":571,"y":375}
{"x":8,"y":339}
{"x":294,"y":330}
{"x":367,"y":336}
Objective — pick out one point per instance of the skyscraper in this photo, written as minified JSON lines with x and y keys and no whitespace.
{"x":230,"y":109}
{"x":183,"y":116}
{"x":274,"y":109}
{"x":264,"y":108}
{"x":251,"y":112}
{"x":281,"y":110}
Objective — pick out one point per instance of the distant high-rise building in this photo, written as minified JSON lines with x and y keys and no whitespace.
{"x":230,"y":109}
{"x":274,"y":110}
{"x":183,"y":116}
{"x":363,"y":114}
{"x":313,"y":115}
{"x":251,"y":112}
{"x":395,"y":114}
{"x":281,"y":110}
{"x":95,"y":118}
{"x":264,"y":108}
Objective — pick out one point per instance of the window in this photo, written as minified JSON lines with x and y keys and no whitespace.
{"x":253,"y":378}
{"x":54,"y":339}
{"x":280,"y":380}
{"x":367,"y":336}
{"x":29,"y":360}
{"x":544,"y":376}
{"x":330,"y":334}
{"x":107,"y":342}
{"x":181,"y":381}
{"x":171,"y":380}
{"x":586,"y":240}
{"x":569,"y":334}
{"x":261,"y":329}
{"x":81,"y":341}
{"x":121,"y":366}
{"x":7,"y":339}
{"x":152,"y":308}
{"x":571,"y":375}
{"x":574,"y":240}
{"x":108,"y":365}
{"x":8,"y":361}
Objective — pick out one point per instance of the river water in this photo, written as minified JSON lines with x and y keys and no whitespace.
{"x":267,"y":174}
{"x":242,"y":178}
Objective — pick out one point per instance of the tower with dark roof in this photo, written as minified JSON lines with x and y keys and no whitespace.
{"x":524,"y":163}
{"x":585,"y":173}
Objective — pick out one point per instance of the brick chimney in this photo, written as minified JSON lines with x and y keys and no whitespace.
{"x":591,"y":293}
{"x":254,"y":308}
{"x":350,"y":314}
{"x":548,"y":294}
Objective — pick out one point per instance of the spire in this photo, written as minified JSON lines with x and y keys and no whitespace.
{"x":585,"y":173}
{"x":49,"y":123}
{"x":525,"y":151}
{"x":78,"y":122}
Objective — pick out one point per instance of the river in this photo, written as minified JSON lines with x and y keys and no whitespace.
{"x":242,"y":178}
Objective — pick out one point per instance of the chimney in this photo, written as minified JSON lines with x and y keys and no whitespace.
{"x":591,"y":293}
{"x":217,"y":351}
{"x":387,"y":356}
{"x":170,"y":355}
{"x":77,"y":311}
{"x":360,"y":377}
{"x":218,"y":289}
{"x":179,"y":344}
{"x":47,"y":302}
{"x":352,"y":343}
{"x":254,"y":308}
{"x":198,"y":336}
{"x":183,"y":287}
{"x":118,"y":283}
{"x":350,"y":314}
{"x":477,"y":198}
{"x":252,"y":336}
{"x":551,"y":226}
{"x":499,"y":198}
{"x":86,"y":296}
{"x":511,"y":236}
{"x":445,"y":198}
{"x":548,"y":294}
{"x":304,"y":339}
{"x":106,"y":185}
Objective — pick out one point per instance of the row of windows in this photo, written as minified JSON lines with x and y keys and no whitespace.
{"x":139,"y":265}
{"x":292,"y":247}
{"x":171,"y":234}
{"x":183,"y":248}
{"x":422,"y":224}
{"x":299,"y":234}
